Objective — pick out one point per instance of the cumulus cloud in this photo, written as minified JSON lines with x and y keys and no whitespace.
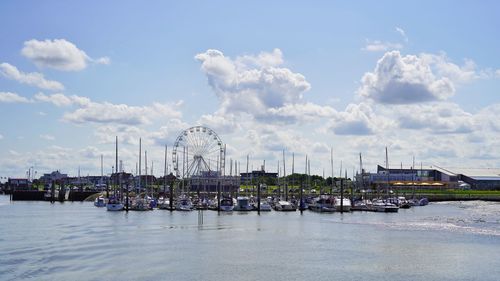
{"x":221,"y":123}
{"x":47,"y":137}
{"x":167,"y":134}
{"x":33,"y":78}
{"x":106,"y":112}
{"x":357,"y":119}
{"x":404,"y":80}
{"x":62,"y":100}
{"x":58,"y":54}
{"x":379,"y":46}
{"x":8,"y":97}
{"x":291,"y":113}
{"x":436,"y":118}
{"x":443,"y":67}
{"x":252,"y":84}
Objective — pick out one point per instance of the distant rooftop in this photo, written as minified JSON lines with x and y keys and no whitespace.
{"x":476,"y":172}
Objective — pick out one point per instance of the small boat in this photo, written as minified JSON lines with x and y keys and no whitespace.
{"x":343,"y":205}
{"x":423,"y":202}
{"x":114,"y":204}
{"x":362,"y":205}
{"x":226,"y":204}
{"x":403,"y":203}
{"x":323,"y":204}
{"x":284,"y":206}
{"x":140,"y":204}
{"x":184,"y":204}
{"x":385,"y":207}
{"x":265,"y":206}
{"x":202,"y":204}
{"x":164,"y":204}
{"x":242,"y":204}
{"x":100,"y":202}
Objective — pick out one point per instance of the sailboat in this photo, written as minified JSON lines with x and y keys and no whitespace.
{"x":184,"y":203}
{"x":381,"y":205}
{"x":100,"y":202}
{"x":284,"y":205}
{"x":114,"y":203}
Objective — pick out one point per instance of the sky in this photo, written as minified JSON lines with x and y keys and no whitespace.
{"x":421,"y":78}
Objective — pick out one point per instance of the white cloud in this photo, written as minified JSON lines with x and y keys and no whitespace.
{"x":442,"y":66}
{"x":357,"y":119}
{"x":402,"y":32}
{"x":47,"y":137}
{"x":63,"y":100}
{"x":8,"y":97}
{"x":221,"y":123}
{"x":91,"y":152}
{"x":1,"y":137}
{"x":121,"y":113}
{"x":497,"y":73}
{"x":404,"y":80}
{"x":34,"y":78}
{"x":291,"y":113}
{"x":167,"y":134}
{"x":379,"y":46}
{"x":58,"y":54}
{"x":435,"y":118}
{"x":251,"y":84}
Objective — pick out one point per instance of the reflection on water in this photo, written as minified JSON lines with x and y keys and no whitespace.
{"x":77,"y":241}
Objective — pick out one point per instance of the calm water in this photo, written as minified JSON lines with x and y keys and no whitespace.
{"x":77,"y":241}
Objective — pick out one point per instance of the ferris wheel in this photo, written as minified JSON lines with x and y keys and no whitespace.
{"x":196,"y":151}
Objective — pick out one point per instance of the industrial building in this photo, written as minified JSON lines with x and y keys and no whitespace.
{"x":431,"y":177}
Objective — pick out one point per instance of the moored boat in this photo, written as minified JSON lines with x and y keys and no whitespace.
{"x":184,"y":204}
{"x":284,"y":206}
{"x":114,"y":204}
{"x":100,"y":202}
{"x":343,"y":204}
{"x":323,"y":204}
{"x":242,"y":204}
{"x":385,"y":207}
{"x":140,"y":204}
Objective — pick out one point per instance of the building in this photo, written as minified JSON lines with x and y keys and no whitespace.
{"x":405,"y":178}
{"x":18,"y":184}
{"x":478,"y":178}
{"x":54,"y":176}
{"x":254,"y":176}
{"x":209,"y":180}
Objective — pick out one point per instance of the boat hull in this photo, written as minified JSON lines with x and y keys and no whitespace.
{"x":115,"y":207}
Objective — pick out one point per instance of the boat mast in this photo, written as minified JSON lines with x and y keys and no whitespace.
{"x":165,"y":175}
{"x":293,"y":171}
{"x":284,"y":177}
{"x":116,"y":162}
{"x":331,"y":165}
{"x":140,"y":156}
{"x":387,"y":169}
{"x":146,"y":170}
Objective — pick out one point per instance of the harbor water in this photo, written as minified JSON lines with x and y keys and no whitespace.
{"x":77,"y":241}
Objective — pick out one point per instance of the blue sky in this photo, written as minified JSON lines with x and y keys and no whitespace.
{"x":421,"y":78}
